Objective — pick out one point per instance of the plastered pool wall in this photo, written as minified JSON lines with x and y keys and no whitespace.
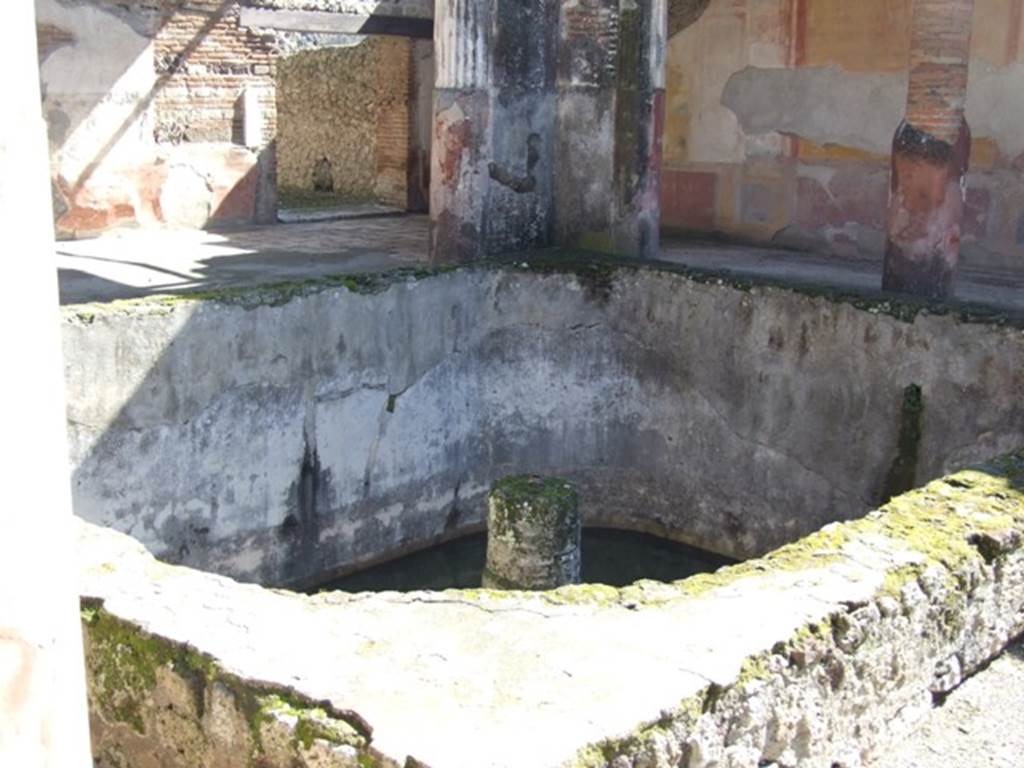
{"x":285,"y":434}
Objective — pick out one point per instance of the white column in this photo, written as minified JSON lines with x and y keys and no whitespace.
{"x":43,"y":721}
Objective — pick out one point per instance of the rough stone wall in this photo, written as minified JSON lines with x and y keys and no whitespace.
{"x":328,"y":105}
{"x":781,"y":115}
{"x":225,"y":435}
{"x":842,"y":689}
{"x":158,"y":704}
{"x":357,"y":106}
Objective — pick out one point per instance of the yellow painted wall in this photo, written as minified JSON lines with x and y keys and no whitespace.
{"x":867,"y":39}
{"x":858,"y":35}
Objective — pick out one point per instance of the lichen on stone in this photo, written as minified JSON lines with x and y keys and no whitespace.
{"x":310,"y":723}
{"x":124,"y":665}
{"x":953,"y":527}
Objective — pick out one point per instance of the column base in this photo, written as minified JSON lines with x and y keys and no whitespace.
{"x":926,"y":207}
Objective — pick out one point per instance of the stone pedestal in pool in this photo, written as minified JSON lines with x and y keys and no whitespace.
{"x":533,"y":534}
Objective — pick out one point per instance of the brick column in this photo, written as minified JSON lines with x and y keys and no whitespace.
{"x":394,"y":121}
{"x":491,"y":166}
{"x":930,"y":154}
{"x":43,"y":719}
{"x":611,"y":106}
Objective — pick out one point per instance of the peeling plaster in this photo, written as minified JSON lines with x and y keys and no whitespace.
{"x":862,"y":109}
{"x":825,"y":105}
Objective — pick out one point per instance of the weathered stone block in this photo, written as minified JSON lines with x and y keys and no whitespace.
{"x":534,"y":530}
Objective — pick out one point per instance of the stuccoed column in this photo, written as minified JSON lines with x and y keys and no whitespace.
{"x":533,"y":534}
{"x":611,"y":111}
{"x":494,"y":119}
{"x":930,"y":154}
{"x":43,"y":718}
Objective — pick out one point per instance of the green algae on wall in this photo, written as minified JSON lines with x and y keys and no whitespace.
{"x":902,"y":475}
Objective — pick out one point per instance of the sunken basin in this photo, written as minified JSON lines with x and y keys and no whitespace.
{"x":257,"y":441}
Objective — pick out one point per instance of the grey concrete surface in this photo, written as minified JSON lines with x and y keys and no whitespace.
{"x":985,"y":286}
{"x":980,"y":725}
{"x":279,"y":436}
{"x":359,"y":211}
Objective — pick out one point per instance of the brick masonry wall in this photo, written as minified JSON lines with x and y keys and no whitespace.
{"x":205,"y":61}
{"x":145,"y":107}
{"x":396,"y":92}
{"x":169,"y":145}
{"x":939,"y":55}
{"x":355,"y":107}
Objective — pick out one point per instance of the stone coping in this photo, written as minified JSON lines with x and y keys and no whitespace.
{"x":820,"y":653}
{"x":594,"y":271}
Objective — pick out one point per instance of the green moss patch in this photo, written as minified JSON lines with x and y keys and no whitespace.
{"x":272,"y":294}
{"x":311,"y":723}
{"x":535,"y":493}
{"x":123,"y":663}
{"x":971,"y":516}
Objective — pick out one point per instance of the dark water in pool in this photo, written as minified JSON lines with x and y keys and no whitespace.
{"x":617,"y":558}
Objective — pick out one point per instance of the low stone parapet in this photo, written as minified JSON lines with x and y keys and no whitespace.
{"x":819,"y":654}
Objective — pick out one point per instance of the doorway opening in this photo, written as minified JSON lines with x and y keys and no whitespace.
{"x":354,"y":128}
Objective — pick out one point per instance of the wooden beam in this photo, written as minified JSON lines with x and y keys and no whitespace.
{"x":338,"y":23}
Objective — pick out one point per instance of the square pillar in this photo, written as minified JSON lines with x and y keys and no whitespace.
{"x":494,"y":119}
{"x":611,"y":107}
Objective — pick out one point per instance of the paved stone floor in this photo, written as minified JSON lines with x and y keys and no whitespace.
{"x":987,"y":286}
{"x":980,"y":725}
{"x":132,"y":263}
